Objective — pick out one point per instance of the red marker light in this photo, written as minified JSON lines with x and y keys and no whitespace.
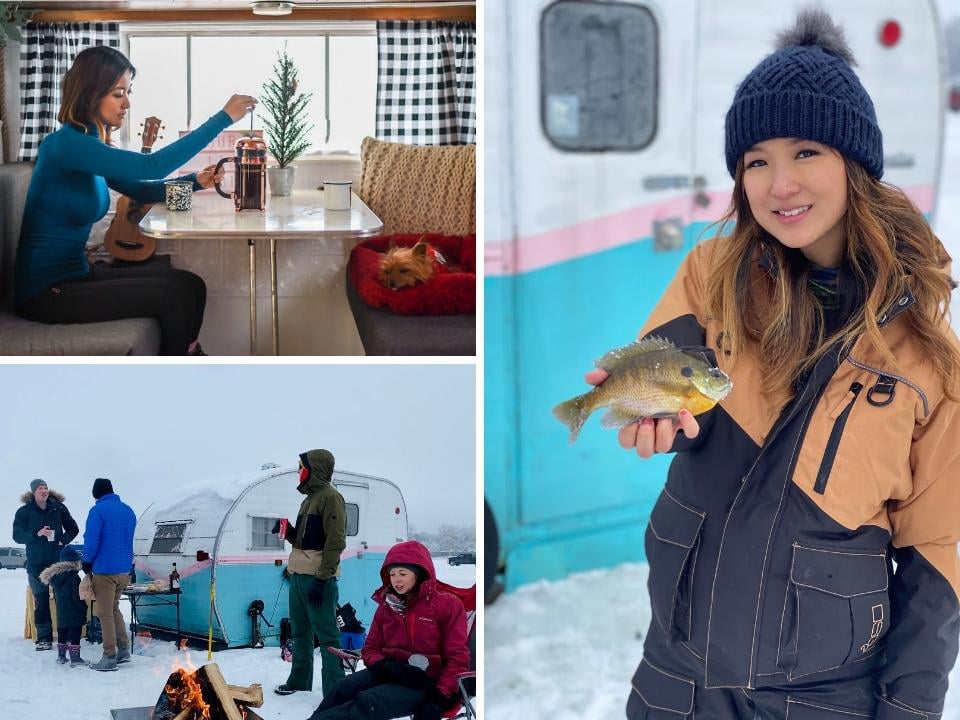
{"x":890,"y":33}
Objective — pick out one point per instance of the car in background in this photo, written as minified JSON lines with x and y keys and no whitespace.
{"x":12,"y":558}
{"x":467,"y":558}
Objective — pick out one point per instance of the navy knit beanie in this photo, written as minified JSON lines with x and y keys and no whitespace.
{"x":806,"y":89}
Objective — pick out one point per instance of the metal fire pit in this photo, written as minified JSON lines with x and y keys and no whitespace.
{"x":146,"y":713}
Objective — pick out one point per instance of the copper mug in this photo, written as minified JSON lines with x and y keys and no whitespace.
{"x":250,"y":184}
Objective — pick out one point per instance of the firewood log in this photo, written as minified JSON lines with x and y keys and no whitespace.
{"x":252,"y":695}
{"x":219,"y":686}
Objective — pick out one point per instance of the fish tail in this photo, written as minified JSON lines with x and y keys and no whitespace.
{"x":574,"y":413}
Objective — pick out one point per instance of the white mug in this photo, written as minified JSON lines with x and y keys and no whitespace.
{"x":336,"y":194}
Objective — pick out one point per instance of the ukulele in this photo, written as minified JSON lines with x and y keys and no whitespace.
{"x":123,"y":239}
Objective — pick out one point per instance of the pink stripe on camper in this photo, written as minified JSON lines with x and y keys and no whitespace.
{"x":541,"y":250}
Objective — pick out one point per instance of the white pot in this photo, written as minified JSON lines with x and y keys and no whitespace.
{"x":280,"y":179}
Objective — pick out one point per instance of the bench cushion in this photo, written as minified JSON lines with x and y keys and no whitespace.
{"x":18,"y":336}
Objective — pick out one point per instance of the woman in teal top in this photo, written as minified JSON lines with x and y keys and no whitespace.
{"x":69,"y":193}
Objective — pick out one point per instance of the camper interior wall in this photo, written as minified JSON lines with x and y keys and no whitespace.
{"x":11,"y":71}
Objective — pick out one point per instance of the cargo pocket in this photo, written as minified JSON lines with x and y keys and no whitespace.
{"x":672,"y":544}
{"x":798,"y":709}
{"x":837,"y":609}
{"x":657,"y":694}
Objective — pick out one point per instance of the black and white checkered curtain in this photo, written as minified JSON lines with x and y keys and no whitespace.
{"x":46,"y":53}
{"x":426,"y":82}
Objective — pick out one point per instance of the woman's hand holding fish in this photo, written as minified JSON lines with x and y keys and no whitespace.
{"x":650,"y":435}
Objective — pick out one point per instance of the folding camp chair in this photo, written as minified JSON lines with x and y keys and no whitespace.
{"x":467,"y":682}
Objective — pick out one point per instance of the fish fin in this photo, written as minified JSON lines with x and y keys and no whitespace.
{"x":615,"y":418}
{"x":616,"y":357}
{"x":573,"y":413}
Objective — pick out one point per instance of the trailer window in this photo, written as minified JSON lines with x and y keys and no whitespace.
{"x":598,"y":69}
{"x":168,"y":538}
{"x":353,"y":519}
{"x":261,"y":538}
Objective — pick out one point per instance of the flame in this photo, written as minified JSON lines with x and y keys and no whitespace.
{"x":188,"y":695}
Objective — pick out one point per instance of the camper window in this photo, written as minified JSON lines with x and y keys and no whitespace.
{"x":168,"y":538}
{"x":598,"y":69}
{"x":180,"y":76}
{"x":260,"y":536}
{"x":353,"y":519}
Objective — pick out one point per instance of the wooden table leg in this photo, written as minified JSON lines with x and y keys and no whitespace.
{"x":253,"y":295}
{"x":273,"y":296}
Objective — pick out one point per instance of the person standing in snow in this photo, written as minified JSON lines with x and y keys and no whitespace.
{"x":415,"y":651}
{"x":836,"y":455}
{"x":64,"y":578}
{"x":108,"y":555}
{"x":44,"y":525}
{"x":318,"y":538}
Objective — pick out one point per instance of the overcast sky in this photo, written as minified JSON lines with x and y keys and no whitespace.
{"x":148,"y":426}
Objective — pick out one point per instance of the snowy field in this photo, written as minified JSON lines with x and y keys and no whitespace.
{"x":34,"y":686}
{"x":566,"y":650}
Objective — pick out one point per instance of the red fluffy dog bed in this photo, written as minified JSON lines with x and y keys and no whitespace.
{"x":450,"y":291}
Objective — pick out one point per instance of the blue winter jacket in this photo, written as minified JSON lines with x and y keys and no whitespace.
{"x":108,"y":537}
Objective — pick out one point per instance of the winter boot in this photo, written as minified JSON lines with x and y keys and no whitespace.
{"x":44,"y":645}
{"x":75,"y":658}
{"x":123,"y":655}
{"x":61,"y":653}
{"x":106,"y":663}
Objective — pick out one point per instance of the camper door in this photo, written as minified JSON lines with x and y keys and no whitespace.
{"x":592,"y":104}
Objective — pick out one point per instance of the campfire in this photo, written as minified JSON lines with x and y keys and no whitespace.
{"x":205,"y":695}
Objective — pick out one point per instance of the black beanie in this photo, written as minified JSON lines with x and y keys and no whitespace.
{"x":101,"y":487}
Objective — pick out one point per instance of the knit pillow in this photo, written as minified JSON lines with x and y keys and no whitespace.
{"x":450,"y":291}
{"x":420,"y":189}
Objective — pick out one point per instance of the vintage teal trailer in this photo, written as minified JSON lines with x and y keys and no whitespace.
{"x":218,"y":534}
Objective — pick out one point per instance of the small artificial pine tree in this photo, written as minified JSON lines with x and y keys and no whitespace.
{"x":286,"y":123}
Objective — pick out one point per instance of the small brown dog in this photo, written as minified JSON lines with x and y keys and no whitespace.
{"x":406,"y":266}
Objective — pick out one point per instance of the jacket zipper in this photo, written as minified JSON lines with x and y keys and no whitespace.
{"x":830,"y":454}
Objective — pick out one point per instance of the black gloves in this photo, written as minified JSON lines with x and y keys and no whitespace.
{"x":87,"y":567}
{"x":389,"y":670}
{"x":381,"y":670}
{"x":276,"y":528}
{"x":315,"y":593}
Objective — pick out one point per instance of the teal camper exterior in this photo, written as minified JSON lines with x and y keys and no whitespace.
{"x":218,"y":534}
{"x":603,"y":165}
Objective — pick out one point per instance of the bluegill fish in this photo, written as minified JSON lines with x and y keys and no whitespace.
{"x":650,"y":378}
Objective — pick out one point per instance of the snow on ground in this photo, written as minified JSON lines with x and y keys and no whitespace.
{"x":566,"y":650}
{"x":35,"y":686}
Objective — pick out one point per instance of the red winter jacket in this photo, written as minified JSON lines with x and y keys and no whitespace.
{"x":434,"y":624}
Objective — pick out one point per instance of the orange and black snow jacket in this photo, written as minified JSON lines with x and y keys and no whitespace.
{"x":772,"y":546}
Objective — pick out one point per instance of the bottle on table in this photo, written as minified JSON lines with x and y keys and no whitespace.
{"x":174,"y":578}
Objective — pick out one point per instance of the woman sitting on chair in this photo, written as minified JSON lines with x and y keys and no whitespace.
{"x":68,"y":193}
{"x":416,"y":647}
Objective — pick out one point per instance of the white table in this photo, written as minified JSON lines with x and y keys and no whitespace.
{"x":299,"y":215}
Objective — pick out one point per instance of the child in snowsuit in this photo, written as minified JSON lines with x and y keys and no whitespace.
{"x":416,"y":648}
{"x":64,"y":578}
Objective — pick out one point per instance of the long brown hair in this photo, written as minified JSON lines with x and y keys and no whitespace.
{"x":92,"y":76}
{"x":889,"y":245}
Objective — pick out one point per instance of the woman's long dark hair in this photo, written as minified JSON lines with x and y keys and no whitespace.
{"x":92,"y":76}
{"x":888,"y":245}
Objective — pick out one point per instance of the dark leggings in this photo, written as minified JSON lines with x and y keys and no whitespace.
{"x":176,"y":298}
{"x":359,"y":697}
{"x":70,"y":635}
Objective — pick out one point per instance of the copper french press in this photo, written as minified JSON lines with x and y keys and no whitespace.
{"x":250,"y":184}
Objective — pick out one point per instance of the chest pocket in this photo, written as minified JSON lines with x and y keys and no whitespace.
{"x":837,"y":609}
{"x":856,"y":452}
